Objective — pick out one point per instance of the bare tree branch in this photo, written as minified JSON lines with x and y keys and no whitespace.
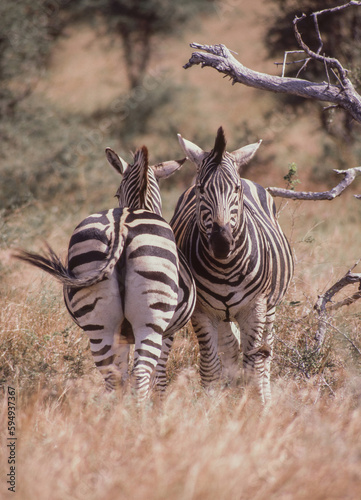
{"x":328,"y":61}
{"x":320,"y":306}
{"x":349,"y":176}
{"x":220,"y":58}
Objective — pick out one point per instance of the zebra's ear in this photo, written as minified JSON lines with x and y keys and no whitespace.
{"x":244,"y":155}
{"x":194,"y":152}
{"x":116,"y":161}
{"x":167,"y":168}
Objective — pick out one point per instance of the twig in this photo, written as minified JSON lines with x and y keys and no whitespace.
{"x":349,"y":176}
{"x":344,"y":335}
{"x":285,"y":63}
{"x":331,"y":61}
{"x":346,"y":302}
{"x":348,"y":279}
{"x":328,"y":61}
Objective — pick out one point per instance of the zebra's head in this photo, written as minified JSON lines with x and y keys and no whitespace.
{"x":139,"y":187}
{"x":219,"y":192}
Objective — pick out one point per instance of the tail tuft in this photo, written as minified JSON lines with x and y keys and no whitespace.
{"x":51,"y":263}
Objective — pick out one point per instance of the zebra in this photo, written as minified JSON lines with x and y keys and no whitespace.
{"x":124,"y":281}
{"x":240,"y":259}
{"x":141,"y":190}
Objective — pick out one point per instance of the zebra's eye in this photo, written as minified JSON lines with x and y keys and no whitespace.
{"x":237,"y":187}
{"x":200,"y":188}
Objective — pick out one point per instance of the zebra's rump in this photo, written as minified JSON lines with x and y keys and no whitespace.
{"x":138,"y":248}
{"x":97,"y":239}
{"x":151,"y":248}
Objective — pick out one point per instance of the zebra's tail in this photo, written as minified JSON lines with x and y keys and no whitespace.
{"x":51,"y":263}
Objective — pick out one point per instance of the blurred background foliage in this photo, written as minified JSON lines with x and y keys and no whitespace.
{"x":53,"y":151}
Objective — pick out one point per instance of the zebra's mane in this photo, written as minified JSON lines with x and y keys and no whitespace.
{"x":141,"y":161}
{"x":219,"y":147}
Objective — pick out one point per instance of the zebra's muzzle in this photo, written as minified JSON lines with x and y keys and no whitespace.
{"x":221,"y":241}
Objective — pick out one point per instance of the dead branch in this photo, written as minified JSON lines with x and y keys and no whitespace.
{"x":349,"y":176}
{"x":348,"y":279}
{"x":343,"y":94}
{"x":220,"y":58}
{"x":327,"y":61}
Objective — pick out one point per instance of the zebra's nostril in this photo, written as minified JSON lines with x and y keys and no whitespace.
{"x":222,"y":231}
{"x":221,"y":241}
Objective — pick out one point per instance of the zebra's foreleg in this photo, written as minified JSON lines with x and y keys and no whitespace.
{"x":228,"y":350}
{"x":206,"y":330}
{"x":255,"y":348}
{"x":268,"y":339}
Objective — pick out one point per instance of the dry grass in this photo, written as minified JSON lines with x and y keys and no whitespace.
{"x":75,"y":442}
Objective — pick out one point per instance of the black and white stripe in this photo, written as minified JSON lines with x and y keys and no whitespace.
{"x":124,"y":282}
{"x":241,"y":261}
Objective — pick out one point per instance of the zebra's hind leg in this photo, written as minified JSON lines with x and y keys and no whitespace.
{"x":111,"y":360}
{"x":98,"y":311}
{"x":160,"y":375}
{"x":147,"y":350}
{"x":268,"y":338}
{"x":228,"y":350}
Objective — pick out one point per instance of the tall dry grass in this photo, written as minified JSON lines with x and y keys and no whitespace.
{"x":75,"y":442}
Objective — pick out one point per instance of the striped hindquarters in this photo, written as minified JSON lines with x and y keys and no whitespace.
{"x":152,"y":266}
{"x":97,"y":243}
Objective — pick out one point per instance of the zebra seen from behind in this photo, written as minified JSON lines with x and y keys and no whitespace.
{"x":124,"y":282}
{"x":140,"y":189}
{"x":240,"y":259}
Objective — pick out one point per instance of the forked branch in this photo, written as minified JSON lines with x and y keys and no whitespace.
{"x":348,"y":279}
{"x":327,"y":61}
{"x":349,"y":176}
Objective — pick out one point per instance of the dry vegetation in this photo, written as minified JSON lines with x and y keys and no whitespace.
{"x":75,"y":442}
